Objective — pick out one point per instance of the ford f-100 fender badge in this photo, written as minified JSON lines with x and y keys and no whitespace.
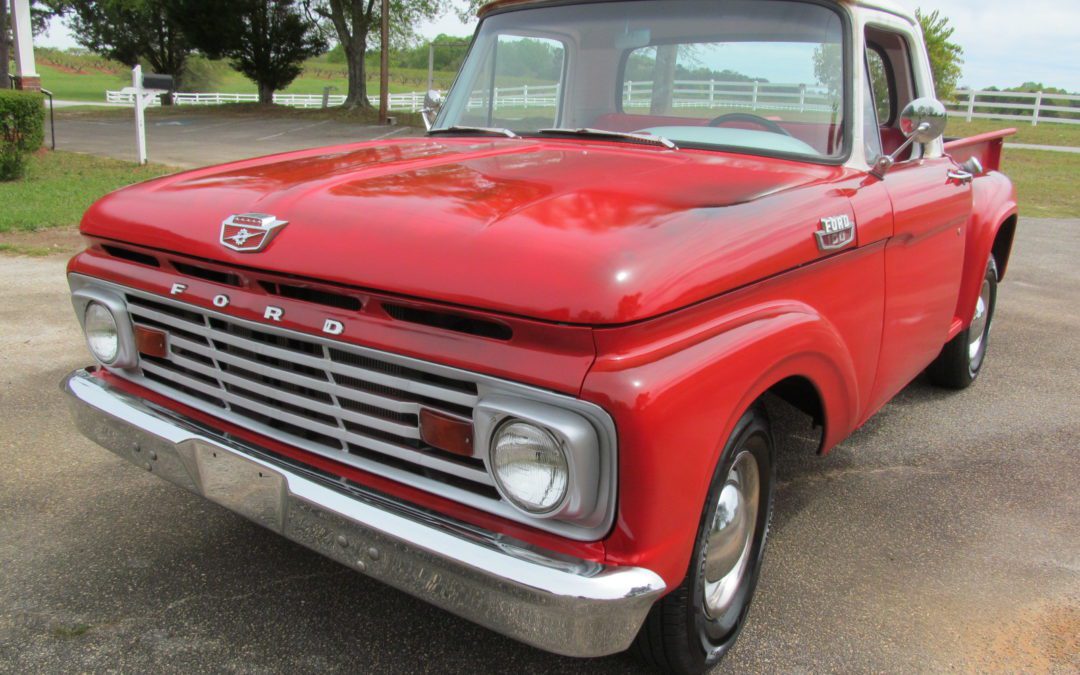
{"x":836,"y":233}
{"x":250,"y":232}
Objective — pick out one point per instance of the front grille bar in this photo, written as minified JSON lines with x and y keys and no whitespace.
{"x":284,"y":386}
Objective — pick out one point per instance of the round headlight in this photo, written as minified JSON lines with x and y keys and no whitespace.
{"x":101,"y":334}
{"x":530,"y":467}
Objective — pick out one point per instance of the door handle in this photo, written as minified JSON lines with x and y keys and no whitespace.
{"x":960,"y":177}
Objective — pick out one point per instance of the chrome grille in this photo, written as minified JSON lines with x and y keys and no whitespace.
{"x":353,"y":405}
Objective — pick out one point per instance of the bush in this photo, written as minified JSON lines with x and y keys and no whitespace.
{"x":22,"y":130}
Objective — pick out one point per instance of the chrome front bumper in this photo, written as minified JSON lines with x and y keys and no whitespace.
{"x":557,"y":603}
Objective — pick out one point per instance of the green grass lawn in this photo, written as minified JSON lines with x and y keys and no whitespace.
{"x":60,"y":186}
{"x":1045,"y":182}
{"x":1047,"y":133}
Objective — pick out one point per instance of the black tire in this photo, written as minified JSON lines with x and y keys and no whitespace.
{"x":679,"y":635}
{"x":960,"y":362}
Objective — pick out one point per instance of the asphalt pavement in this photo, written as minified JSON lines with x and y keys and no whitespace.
{"x":192,"y":138}
{"x":943,"y":536}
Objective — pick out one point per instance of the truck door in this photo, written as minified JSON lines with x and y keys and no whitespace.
{"x":925,"y":256}
{"x":923,"y":264}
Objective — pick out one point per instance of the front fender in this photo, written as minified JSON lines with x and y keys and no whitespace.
{"x":677,"y":387}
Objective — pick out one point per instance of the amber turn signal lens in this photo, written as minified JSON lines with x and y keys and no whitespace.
{"x":446,"y":432}
{"x":150,"y":342}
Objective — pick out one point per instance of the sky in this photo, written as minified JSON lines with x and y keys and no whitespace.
{"x":1006,"y":42}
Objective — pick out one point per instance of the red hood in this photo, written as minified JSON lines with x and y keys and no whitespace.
{"x":561,"y":230}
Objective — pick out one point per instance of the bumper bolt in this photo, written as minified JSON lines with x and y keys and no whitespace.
{"x":373,"y":553}
{"x":360,"y":565}
{"x":153,"y":456}
{"x":342,"y":541}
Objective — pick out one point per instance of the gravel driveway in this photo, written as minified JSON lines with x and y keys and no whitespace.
{"x":944,"y":535}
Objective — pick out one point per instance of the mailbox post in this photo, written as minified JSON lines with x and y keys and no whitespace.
{"x":144,"y":89}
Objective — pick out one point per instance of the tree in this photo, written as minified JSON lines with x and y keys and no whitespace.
{"x":468,"y":9}
{"x":132,"y":31}
{"x":353,"y":22}
{"x":945,"y":56}
{"x":829,"y":68}
{"x":266,"y":40}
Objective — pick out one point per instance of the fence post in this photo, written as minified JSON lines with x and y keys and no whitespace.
{"x":630,"y":92}
{"x":525,"y":96}
{"x":753,"y":102}
{"x":495,"y":99}
{"x":712,"y":92}
{"x":802,"y":98}
{"x":1035,"y":113}
{"x":971,"y":104}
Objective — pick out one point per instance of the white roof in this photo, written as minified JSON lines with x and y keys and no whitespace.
{"x":899,"y":9}
{"x":890,"y":6}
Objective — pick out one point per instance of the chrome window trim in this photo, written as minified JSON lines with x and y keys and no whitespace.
{"x":493,"y":394}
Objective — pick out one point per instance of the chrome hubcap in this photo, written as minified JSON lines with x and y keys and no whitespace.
{"x":731,"y":535}
{"x":978,"y":328}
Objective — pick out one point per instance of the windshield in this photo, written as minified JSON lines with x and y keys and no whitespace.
{"x":760,"y":76}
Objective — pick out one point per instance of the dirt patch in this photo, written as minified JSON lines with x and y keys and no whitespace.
{"x":58,"y":241}
{"x":1042,"y":638}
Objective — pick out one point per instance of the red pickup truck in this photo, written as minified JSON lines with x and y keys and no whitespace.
{"x":516,"y":366}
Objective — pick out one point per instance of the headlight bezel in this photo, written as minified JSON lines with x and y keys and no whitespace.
{"x":127,"y":356}
{"x":590,"y":493}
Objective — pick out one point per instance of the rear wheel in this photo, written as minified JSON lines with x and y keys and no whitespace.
{"x":690,"y":629}
{"x":962,"y":358}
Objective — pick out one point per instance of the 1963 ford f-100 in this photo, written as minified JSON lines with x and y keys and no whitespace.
{"x":516,"y":366}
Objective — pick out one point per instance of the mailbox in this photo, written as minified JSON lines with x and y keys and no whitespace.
{"x":158,"y":82}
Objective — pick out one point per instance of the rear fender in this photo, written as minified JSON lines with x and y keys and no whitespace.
{"x":677,"y":400}
{"x":993,"y":203}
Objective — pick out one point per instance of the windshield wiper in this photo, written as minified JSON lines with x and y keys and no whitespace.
{"x":651,"y":139}
{"x":498,"y":131}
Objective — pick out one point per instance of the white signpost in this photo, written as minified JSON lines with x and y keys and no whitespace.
{"x":143,"y":98}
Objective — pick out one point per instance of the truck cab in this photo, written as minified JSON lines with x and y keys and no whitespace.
{"x":517,"y":366}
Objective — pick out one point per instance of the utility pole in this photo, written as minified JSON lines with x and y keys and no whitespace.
{"x":431,"y":66}
{"x":384,"y":63}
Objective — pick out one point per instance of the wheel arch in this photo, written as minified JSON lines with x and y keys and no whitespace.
{"x":1003,"y":244}
{"x":991,"y":230}
{"x":676,"y":410}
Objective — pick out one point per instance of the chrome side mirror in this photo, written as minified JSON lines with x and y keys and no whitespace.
{"x":433,"y":101}
{"x":923,"y":121}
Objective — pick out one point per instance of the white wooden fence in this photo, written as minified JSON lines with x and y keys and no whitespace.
{"x":409,"y":102}
{"x":776,"y":96}
{"x":686,"y":94}
{"x":1015,"y":105}
{"x":1028,"y":107}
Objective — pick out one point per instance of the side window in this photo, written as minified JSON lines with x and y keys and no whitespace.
{"x":880,"y":77}
{"x":519,"y":86}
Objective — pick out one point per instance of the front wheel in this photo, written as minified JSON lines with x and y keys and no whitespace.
{"x":962,"y":358}
{"x":690,"y":629}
